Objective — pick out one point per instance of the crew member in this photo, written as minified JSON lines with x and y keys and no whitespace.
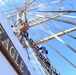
{"x":44,"y":53}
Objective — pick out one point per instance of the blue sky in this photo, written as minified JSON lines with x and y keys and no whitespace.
{"x":62,"y":66}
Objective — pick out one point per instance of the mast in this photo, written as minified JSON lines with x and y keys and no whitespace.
{"x":44,"y":20}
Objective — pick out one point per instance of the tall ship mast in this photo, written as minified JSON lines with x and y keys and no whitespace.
{"x":38,"y":37}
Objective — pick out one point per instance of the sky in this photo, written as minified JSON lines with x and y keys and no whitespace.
{"x":59,"y":63}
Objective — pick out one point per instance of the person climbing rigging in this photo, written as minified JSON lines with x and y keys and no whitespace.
{"x":44,"y":53}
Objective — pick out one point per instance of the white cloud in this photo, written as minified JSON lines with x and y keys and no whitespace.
{"x":1,"y":2}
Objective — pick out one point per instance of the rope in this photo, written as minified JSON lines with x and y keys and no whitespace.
{"x":61,"y":31}
{"x":65,"y":21}
{"x":40,"y":38}
{"x":44,"y":5}
{"x":35,"y":51}
{"x":59,"y":39}
{"x":50,"y":63}
{"x":31,"y":2}
{"x":60,"y":54}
